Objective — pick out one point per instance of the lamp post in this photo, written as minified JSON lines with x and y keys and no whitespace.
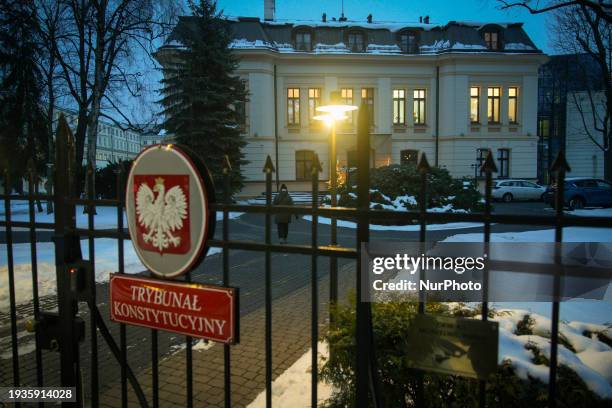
{"x":332,"y":113}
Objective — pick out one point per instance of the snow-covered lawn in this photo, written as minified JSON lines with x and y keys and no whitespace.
{"x":105,"y":218}
{"x":106,"y":250}
{"x":373,"y":227}
{"x":292,"y":388}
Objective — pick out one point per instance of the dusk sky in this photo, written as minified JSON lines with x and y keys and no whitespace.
{"x":439,"y":11}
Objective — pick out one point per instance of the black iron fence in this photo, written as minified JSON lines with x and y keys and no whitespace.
{"x":63,"y":330}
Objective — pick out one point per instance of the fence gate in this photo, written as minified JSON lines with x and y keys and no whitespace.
{"x":76,"y":346}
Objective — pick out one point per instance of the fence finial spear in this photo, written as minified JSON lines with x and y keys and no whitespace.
{"x":269,"y":166}
{"x":227,"y":166}
{"x":560,"y":163}
{"x":316,"y":167}
{"x":423,"y":165}
{"x":489,"y":164}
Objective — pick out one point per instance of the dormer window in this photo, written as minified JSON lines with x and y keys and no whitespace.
{"x":409,"y":42}
{"x":491,"y":39}
{"x":356,"y":41}
{"x":303,"y":41}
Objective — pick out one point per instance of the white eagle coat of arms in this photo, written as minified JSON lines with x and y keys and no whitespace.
{"x":161,"y":215}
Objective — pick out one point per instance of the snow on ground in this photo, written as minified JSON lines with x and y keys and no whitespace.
{"x":105,"y":256}
{"x":105,"y":218}
{"x":292,"y":387}
{"x":592,"y":359}
{"x":430,"y":227}
{"x":592,"y":212}
{"x":570,"y":234}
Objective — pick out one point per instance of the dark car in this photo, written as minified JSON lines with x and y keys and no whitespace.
{"x":582,"y":192}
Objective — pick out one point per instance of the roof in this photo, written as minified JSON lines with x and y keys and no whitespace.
{"x":330,"y":37}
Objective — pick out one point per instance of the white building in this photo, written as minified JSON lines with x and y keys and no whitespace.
{"x":113,"y":144}
{"x":450,"y":91}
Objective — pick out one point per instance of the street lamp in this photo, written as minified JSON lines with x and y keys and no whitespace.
{"x":332,"y":113}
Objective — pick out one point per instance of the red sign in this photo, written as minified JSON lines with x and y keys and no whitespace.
{"x":162,"y":209}
{"x":207,"y":312}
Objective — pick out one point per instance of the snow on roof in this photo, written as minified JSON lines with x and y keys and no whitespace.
{"x":391,"y":26}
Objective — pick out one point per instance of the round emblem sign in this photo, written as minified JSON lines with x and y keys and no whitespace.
{"x":167,"y":196}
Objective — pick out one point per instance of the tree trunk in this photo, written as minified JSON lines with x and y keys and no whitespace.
{"x":608,"y":164}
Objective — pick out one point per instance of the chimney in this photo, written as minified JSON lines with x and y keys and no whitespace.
{"x":324,"y":18}
{"x":420,"y":19}
{"x":370,"y":18}
{"x":426,"y":19}
{"x":269,"y":9}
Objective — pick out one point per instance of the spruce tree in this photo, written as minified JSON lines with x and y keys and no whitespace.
{"x":23,"y":135}
{"x":202,"y":93}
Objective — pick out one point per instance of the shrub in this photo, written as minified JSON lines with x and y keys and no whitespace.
{"x":398,"y":381}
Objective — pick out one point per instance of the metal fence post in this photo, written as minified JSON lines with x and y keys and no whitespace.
{"x":268,"y":170}
{"x":314,"y":173}
{"x":227,"y":172}
{"x":559,"y":167}
{"x":67,"y":249}
{"x":488,"y":167}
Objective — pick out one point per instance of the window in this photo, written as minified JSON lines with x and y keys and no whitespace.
{"x":367,"y":95}
{"x":346,"y":95}
{"x":481,"y":155}
{"x":399,"y":107}
{"x":408,"y":42}
{"x":303,"y":41}
{"x":356,"y":42}
{"x":314,"y":100}
{"x":304,"y":160}
{"x":493,"y":95}
{"x":512,"y":104}
{"x":409,"y":156}
{"x":419,"y":106}
{"x":293,"y":106}
{"x":491,"y":39}
{"x":503,"y":160}
{"x":475,"y":104}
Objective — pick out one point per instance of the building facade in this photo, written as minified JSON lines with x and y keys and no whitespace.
{"x":567,"y":84}
{"x":451,"y":91}
{"x":114,"y":144}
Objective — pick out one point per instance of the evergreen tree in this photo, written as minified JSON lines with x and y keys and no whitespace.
{"x":23,"y":135}
{"x":202,"y":95}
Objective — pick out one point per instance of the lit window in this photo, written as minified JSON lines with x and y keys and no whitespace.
{"x":356,"y":42}
{"x":503,"y":160}
{"x":474,"y":104}
{"x":491,"y":40}
{"x":512,"y":104}
{"x":346,"y":95}
{"x":399,"y":107}
{"x":367,"y":96}
{"x":314,"y":101}
{"x":493,"y":108}
{"x":303,"y":41}
{"x":419,"y":106}
{"x":293,"y":106}
{"x":304,"y":160}
{"x":409,"y":156}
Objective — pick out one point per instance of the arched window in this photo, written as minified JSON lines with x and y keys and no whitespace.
{"x":303,"y":39}
{"x":356,"y":41}
{"x":409,"y":156}
{"x":304,"y":160}
{"x":409,"y":41}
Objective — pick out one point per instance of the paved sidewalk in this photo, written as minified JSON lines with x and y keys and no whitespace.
{"x":291,"y":338}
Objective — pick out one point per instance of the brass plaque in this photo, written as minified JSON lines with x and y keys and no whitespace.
{"x":453,"y":345}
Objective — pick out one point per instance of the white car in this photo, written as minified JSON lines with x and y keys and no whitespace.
{"x":510,"y":190}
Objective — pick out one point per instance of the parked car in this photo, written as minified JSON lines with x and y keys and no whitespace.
{"x":580,"y":192}
{"x":510,"y":190}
